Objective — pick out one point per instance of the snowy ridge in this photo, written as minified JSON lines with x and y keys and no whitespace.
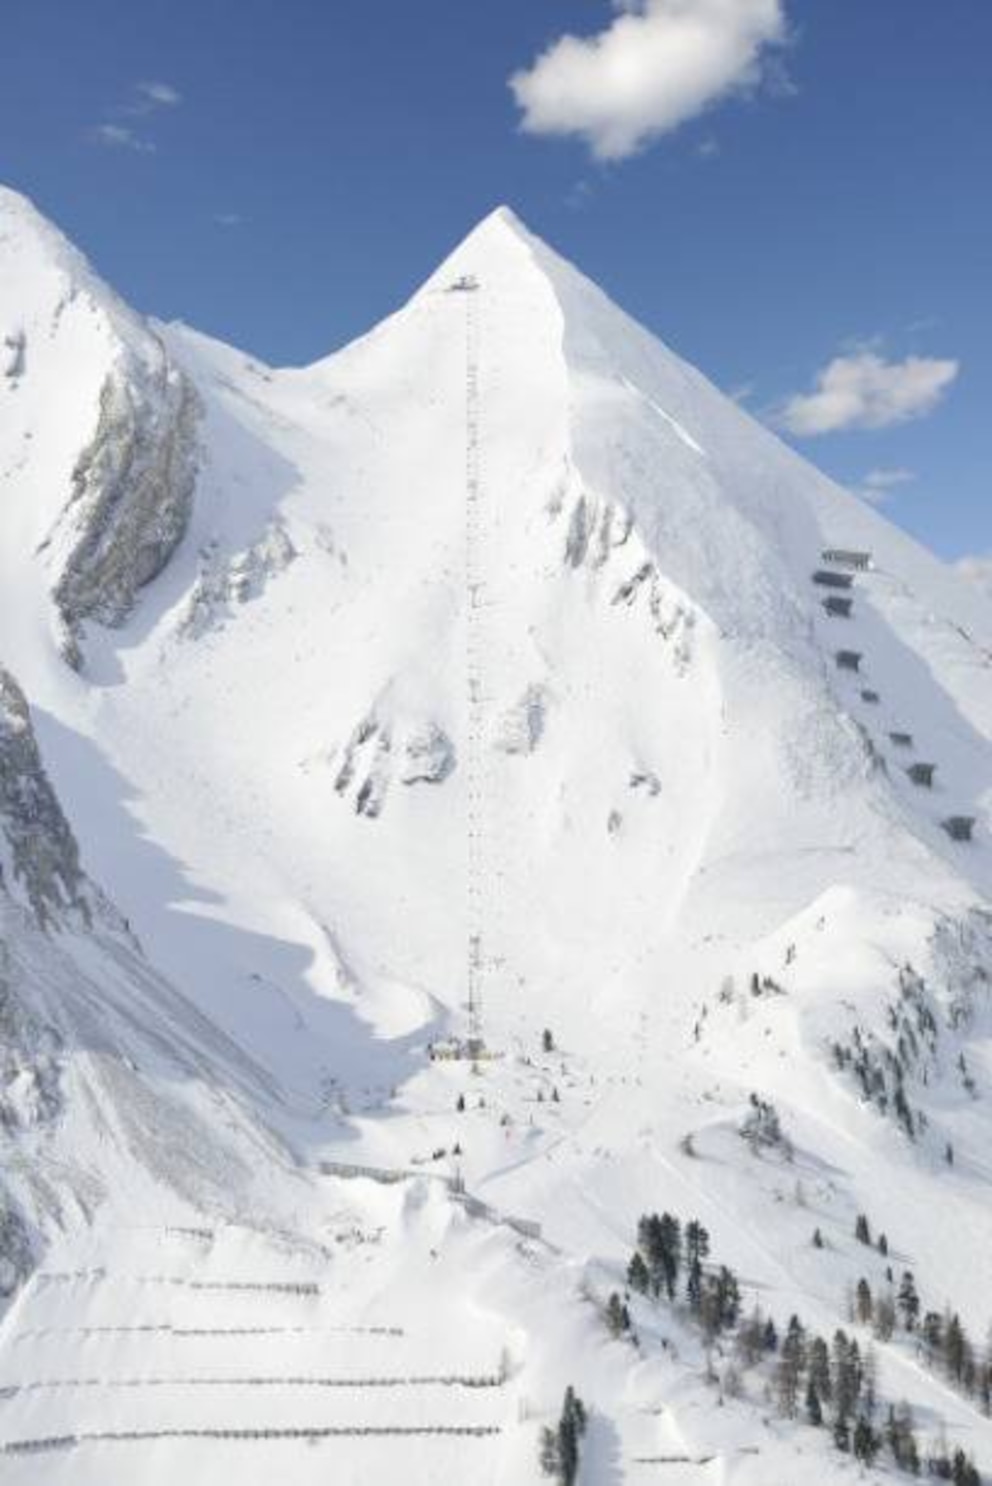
{"x":496,"y":657}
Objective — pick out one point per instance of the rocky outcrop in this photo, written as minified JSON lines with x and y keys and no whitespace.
{"x":522,"y":727}
{"x":132,"y":493}
{"x":225,"y":584}
{"x":16,"y":1251}
{"x":39,"y":858}
{"x":14,"y":356}
{"x":377,"y":752}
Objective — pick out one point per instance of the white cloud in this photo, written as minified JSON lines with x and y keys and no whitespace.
{"x":659,"y":63}
{"x":228,"y":219}
{"x":863,"y":390}
{"x":120,"y":137}
{"x":146,"y":98}
{"x":878,"y":485}
{"x":158,"y":95}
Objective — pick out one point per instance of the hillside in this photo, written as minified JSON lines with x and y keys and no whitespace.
{"x":493,"y":685}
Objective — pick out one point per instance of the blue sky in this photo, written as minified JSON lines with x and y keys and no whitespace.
{"x":789,"y":190}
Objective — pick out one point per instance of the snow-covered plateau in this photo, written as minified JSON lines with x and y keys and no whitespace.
{"x":458,"y":800}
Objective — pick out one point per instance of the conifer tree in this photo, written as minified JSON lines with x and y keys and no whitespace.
{"x":908,"y":1301}
{"x":865,"y":1443}
{"x":638,"y":1277}
{"x":863,"y":1306}
{"x":617,"y":1317}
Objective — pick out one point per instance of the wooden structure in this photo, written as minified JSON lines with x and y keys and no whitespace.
{"x":844,"y":557}
{"x":871,"y":697}
{"x":960,"y":827}
{"x":922,"y":774}
{"x":838,"y":608}
{"x":827,"y":579}
{"x":848,"y":660}
{"x":901,"y":740}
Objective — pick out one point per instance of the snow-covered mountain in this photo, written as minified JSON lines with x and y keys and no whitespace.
{"x":493,"y":685}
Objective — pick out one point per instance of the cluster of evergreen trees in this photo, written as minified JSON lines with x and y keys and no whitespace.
{"x":762,"y":1128}
{"x":668,"y":1258}
{"x":826,"y":1384}
{"x":884,"y":1068}
{"x":560,"y":1446}
{"x":942,"y":1340}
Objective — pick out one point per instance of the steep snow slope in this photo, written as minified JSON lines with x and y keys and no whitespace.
{"x":487,"y":657}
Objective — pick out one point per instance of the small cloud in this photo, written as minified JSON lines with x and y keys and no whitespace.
{"x":146,"y":98}
{"x":708,"y":149}
{"x":158,"y":95}
{"x":864,"y":391}
{"x":742,"y":393}
{"x":228,"y":219}
{"x":120,"y":137}
{"x":877,"y":486}
{"x":579,"y":196}
{"x":658,"y":64}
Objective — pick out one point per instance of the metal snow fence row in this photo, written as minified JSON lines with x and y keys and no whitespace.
{"x":277,"y":1287}
{"x":68,"y":1276}
{"x":281,"y":1287}
{"x":319,"y":1432}
{"x":441,"y":1380}
{"x":167,"y":1329}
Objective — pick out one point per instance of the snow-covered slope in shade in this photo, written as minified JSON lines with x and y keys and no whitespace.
{"x":485,"y":653}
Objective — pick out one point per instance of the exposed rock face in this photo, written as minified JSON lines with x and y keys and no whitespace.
{"x":29,"y":1068}
{"x":225,"y":584}
{"x":522,"y":728}
{"x":38,"y":852}
{"x":377,"y":751}
{"x":16,"y":1254}
{"x":131,"y":499}
{"x":14,"y":353}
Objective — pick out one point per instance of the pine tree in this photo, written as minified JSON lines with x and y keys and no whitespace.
{"x":638,"y":1277}
{"x":866,"y":1443}
{"x":547,"y":1040}
{"x":862,"y":1232}
{"x":933,"y":1335}
{"x":846,"y":1375}
{"x":863,"y":1306}
{"x":885,"y":1318}
{"x":963,"y":1471}
{"x":900,"y":1436}
{"x":814,"y":1412}
{"x":617,"y":1317}
{"x":792,"y":1360}
{"x":956,"y":1348}
{"x":571,"y":1428}
{"x":908,"y":1301}
{"x":751,"y":1338}
{"x":697,"y":1246}
{"x":818,"y":1363}
{"x":548,"y":1456}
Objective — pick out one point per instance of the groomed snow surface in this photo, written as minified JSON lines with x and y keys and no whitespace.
{"x":497,"y":628}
